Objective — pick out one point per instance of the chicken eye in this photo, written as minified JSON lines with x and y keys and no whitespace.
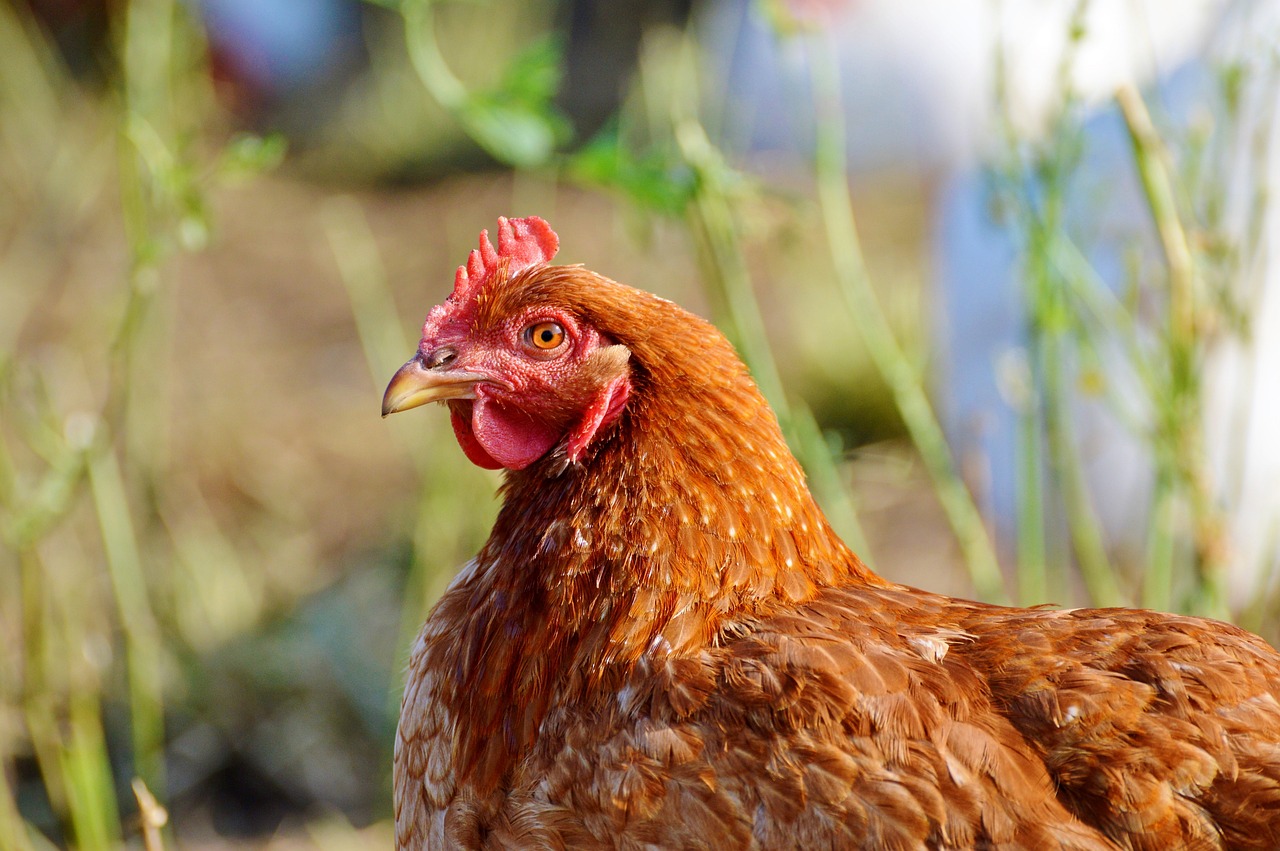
{"x":544,"y":335}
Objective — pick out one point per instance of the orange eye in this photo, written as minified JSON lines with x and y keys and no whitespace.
{"x":544,"y":335}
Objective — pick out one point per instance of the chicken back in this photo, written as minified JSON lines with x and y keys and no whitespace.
{"x":664,"y":645}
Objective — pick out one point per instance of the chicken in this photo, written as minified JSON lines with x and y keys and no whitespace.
{"x":664,"y":645}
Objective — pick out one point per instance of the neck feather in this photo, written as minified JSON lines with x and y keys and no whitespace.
{"x":688,"y":514}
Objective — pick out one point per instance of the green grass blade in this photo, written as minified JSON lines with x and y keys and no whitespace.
{"x":892,"y":362}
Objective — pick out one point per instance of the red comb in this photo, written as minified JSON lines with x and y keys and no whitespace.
{"x":523,"y":242}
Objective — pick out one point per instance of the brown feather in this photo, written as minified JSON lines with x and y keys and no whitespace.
{"x":664,"y":645}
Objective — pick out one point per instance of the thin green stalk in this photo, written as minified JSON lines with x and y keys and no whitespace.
{"x":425,"y":56}
{"x":42,"y":509}
{"x":1030,"y":483}
{"x":385,"y":348}
{"x":1051,"y":315}
{"x":891,"y":361}
{"x":1157,"y":581}
{"x":143,"y":647}
{"x":1182,"y":403}
{"x":1100,"y":307}
{"x":1033,"y":583}
{"x":826,"y":480}
{"x":711,"y":220}
{"x":1148,"y":156}
{"x":1082,"y":521}
{"x":361,"y":270}
{"x":511,"y":122}
{"x":144,"y":125}
{"x":38,"y":709}
{"x":86,"y":769}
{"x":66,"y":734}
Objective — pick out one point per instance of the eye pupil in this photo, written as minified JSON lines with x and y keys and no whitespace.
{"x":545,"y":335}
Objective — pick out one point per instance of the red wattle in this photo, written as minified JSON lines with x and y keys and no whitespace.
{"x":460,"y":417}
{"x":494,"y":436}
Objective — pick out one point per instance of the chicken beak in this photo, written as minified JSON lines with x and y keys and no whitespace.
{"x":414,"y":384}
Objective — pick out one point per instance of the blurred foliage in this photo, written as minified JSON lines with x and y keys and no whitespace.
{"x":513,"y":120}
{"x":214,"y":560}
{"x":1143,"y":353}
{"x":385,"y":126}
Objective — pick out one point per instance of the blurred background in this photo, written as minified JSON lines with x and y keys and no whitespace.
{"x":1006,"y":270}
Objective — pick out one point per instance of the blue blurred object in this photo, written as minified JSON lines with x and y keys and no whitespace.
{"x":918,"y":83}
{"x":279,"y":46}
{"x":982,"y":316}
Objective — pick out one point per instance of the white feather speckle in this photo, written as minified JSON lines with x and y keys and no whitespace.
{"x":931,"y":648}
{"x":660,"y":646}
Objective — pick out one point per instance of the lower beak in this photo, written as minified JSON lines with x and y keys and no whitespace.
{"x":414,"y":385}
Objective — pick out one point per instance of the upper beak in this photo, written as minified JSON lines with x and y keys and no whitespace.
{"x":414,"y":384}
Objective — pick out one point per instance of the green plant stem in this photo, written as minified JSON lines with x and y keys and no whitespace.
{"x":37,"y":702}
{"x":826,"y":479}
{"x":1180,"y":419}
{"x":144,"y":124}
{"x":1033,"y":584}
{"x":360,"y":267}
{"x":48,"y":504}
{"x":1050,"y":308}
{"x":425,"y":56}
{"x":1082,"y":522}
{"x":891,"y":361}
{"x":143,"y":648}
{"x":1149,"y":157}
{"x":1157,"y":582}
{"x":385,"y":348}
{"x":66,"y":736}
{"x":87,"y":771}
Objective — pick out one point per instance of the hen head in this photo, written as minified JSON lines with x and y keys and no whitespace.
{"x":523,"y":370}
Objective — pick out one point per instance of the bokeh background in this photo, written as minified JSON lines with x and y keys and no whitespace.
{"x":1007,"y":272}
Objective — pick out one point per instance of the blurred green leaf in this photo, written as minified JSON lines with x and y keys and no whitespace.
{"x":516,"y":121}
{"x":533,"y":76}
{"x":248,"y":155}
{"x":512,"y":133}
{"x":654,"y":181}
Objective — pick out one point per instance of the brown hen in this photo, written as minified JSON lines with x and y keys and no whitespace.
{"x":664,"y":645}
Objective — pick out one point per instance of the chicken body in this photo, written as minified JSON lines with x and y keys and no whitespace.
{"x":664,"y":645}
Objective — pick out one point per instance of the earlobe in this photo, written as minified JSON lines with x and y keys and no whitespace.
{"x":610,"y":367}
